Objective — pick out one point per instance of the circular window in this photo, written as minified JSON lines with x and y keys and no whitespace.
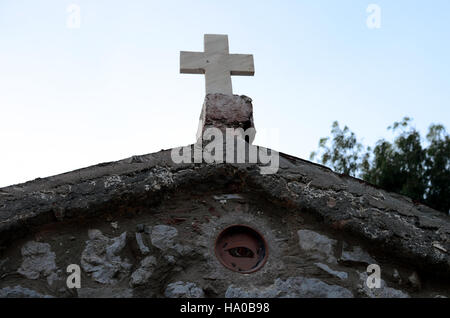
{"x":241,"y":249}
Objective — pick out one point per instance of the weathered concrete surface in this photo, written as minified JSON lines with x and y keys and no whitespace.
{"x":101,"y":257}
{"x":142,"y":275}
{"x":389,"y":221}
{"x":38,"y":260}
{"x":316,"y":245}
{"x":183,"y":290}
{"x":105,"y":292}
{"x":326,"y":268}
{"x":20,"y":292}
{"x":293,"y":287}
{"x":356,"y":255}
{"x":162,"y":236}
{"x":382,"y":226}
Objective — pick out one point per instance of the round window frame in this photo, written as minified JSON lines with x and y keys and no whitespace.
{"x":229,"y":266}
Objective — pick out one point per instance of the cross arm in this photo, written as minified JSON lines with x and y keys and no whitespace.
{"x":242,"y":64}
{"x":192,"y":62}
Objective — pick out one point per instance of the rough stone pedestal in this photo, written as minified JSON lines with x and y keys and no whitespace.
{"x":227,"y":111}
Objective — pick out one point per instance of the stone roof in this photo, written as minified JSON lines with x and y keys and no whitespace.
{"x":384,"y":223}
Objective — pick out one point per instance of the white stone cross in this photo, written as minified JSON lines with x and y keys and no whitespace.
{"x":217,"y":64}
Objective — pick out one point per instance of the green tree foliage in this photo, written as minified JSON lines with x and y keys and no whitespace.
{"x":341,"y":152}
{"x":419,"y":170}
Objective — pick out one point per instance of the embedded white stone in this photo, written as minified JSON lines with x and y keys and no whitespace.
{"x":326,"y":268}
{"x":144,"y":272}
{"x":38,"y":260}
{"x":183,"y":290}
{"x":318,"y":246}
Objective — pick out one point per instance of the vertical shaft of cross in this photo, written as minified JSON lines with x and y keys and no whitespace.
{"x":217,"y":80}
{"x":216,"y":44}
{"x":217,"y":75}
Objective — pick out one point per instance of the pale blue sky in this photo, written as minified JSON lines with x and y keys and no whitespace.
{"x":70,"y":98}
